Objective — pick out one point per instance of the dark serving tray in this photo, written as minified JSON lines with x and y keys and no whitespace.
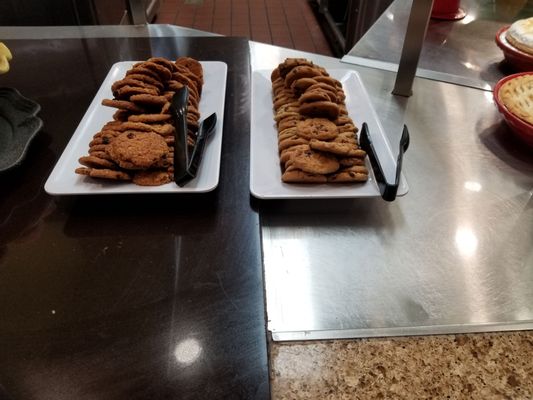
{"x":18,"y":126}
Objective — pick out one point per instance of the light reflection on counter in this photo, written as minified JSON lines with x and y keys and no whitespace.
{"x":473,"y":186}
{"x":187,"y":351}
{"x":489,"y":96}
{"x":468,"y":18}
{"x":291,"y":275}
{"x":466,"y":241}
{"x":471,"y":66}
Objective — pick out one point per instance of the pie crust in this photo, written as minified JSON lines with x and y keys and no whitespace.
{"x":520,"y":35}
{"x":517,"y":95}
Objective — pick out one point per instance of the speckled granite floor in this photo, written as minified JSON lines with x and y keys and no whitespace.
{"x":470,"y":366}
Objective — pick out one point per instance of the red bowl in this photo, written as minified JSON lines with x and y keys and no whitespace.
{"x":517,"y":58}
{"x":522,"y":129}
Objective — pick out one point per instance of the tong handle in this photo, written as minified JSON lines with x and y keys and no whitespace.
{"x":205,"y":130}
{"x":404,"y":145}
{"x":181,"y":152}
{"x":207,"y":126}
{"x":387,"y":190}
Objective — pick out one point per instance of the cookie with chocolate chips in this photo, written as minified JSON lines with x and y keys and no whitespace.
{"x":139,"y":150}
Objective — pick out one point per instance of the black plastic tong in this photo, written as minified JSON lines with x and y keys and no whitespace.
{"x":186,"y":165}
{"x":387,"y":190}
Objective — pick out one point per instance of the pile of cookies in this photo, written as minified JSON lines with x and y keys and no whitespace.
{"x":138,"y":144}
{"x":317,"y":140}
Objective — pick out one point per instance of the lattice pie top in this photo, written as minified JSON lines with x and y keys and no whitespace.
{"x":517,"y":95}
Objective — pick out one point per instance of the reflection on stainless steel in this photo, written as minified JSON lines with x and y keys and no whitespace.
{"x":187,"y":351}
{"x":466,"y":241}
{"x":463,"y":49}
{"x":453,"y":255}
{"x":473,"y":186}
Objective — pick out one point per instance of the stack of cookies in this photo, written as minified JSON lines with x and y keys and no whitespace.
{"x":317,"y":139}
{"x":138,"y":144}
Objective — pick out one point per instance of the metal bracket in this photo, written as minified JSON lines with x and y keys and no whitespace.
{"x":412,"y":46}
{"x":136,"y":12}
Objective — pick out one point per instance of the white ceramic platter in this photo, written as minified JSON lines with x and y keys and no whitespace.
{"x":265,"y":171}
{"x":63,"y":180}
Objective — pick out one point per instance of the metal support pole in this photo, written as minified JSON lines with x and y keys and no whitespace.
{"x":412,"y":46}
{"x":353,"y":21}
{"x":323,"y":6}
{"x":136,"y":12}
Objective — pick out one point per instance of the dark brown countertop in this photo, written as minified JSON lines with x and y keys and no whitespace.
{"x":127,"y":297}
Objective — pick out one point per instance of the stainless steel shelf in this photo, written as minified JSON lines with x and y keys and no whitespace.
{"x":459,"y":52}
{"x":453,"y":255}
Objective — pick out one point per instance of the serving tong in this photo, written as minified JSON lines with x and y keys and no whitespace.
{"x":186,"y":165}
{"x":186,"y":162}
{"x":387,"y":190}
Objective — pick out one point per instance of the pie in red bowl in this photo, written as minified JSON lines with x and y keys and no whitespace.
{"x":512,"y":96}
{"x":518,"y":59}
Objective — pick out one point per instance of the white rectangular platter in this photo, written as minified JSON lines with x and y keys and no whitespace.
{"x":63,"y":180}
{"x":265,"y":171}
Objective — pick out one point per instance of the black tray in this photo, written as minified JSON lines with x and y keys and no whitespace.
{"x":18,"y":126}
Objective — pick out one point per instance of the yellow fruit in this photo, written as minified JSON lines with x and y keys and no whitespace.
{"x":4,"y":64}
{"x":4,"y":51}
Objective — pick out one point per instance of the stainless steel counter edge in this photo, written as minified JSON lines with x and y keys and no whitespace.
{"x":98,"y":31}
{"x":399,"y":331}
{"x":420,"y":72}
